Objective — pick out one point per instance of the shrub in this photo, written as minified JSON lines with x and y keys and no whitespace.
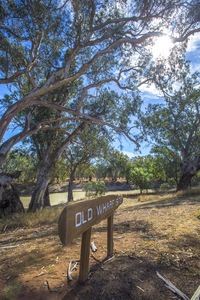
{"x":165,"y":187}
{"x":95,"y":188}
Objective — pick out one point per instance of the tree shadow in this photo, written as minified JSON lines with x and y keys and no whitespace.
{"x":169,"y":202}
{"x":129,"y":277}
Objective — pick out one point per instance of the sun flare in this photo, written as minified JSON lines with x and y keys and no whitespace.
{"x":162,"y":47}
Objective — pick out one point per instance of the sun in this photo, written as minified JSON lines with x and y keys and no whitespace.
{"x":162,"y":47}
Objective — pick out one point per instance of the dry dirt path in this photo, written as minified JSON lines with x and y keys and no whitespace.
{"x":161,"y":235}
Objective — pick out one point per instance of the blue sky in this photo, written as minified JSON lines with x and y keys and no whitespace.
{"x":151,"y":95}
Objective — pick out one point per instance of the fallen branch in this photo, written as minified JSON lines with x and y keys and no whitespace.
{"x":172,"y":287}
{"x":93,"y":247}
{"x":70,"y":268}
{"x":8,"y":247}
{"x":48,"y":286}
{"x":196,"y":295}
{"x":96,"y":259}
{"x":107,"y":259}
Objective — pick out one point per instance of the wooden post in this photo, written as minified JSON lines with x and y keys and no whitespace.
{"x":85,"y":253}
{"x":110,"y":236}
{"x":79,"y":217}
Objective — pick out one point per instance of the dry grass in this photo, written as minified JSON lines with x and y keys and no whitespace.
{"x":50,"y":215}
{"x":190,"y":192}
{"x":153,"y":197}
{"x":45,"y":216}
{"x":169,"y":195}
{"x":161,"y":233}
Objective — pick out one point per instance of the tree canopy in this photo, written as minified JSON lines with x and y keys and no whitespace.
{"x":175,"y":127}
{"x":48,"y":46}
{"x":69,"y":64}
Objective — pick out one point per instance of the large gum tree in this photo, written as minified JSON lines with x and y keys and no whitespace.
{"x":49,"y":46}
{"x":174,"y":127}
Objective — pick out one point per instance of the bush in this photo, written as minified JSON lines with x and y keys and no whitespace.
{"x":165,"y":187}
{"x":95,"y":188}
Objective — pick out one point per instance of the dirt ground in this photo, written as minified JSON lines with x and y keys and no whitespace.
{"x":161,"y":235}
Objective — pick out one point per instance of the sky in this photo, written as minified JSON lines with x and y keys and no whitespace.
{"x":151,"y":95}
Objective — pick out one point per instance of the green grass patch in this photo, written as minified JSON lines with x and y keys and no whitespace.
{"x":11,"y":292}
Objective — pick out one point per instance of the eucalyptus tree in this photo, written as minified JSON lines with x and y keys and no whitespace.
{"x":175,"y":126}
{"x":169,"y":161}
{"x":146,"y":172}
{"x":41,"y":41}
{"x":46,"y":46}
{"x":117,"y":164}
{"x":92,"y":143}
{"x":22,"y":160}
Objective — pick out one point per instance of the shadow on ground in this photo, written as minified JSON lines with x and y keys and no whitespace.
{"x":128,"y":278}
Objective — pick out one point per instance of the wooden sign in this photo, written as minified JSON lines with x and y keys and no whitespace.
{"x":80,"y":216}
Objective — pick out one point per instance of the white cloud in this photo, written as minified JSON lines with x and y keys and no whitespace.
{"x":129,"y":154}
{"x":150,"y":90}
{"x":193,"y":42}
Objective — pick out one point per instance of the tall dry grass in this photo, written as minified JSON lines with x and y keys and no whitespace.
{"x":50,"y":215}
{"x":46,"y":216}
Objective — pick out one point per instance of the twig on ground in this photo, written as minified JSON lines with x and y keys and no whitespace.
{"x":139,"y":288}
{"x":48,"y":286}
{"x":196,"y":295}
{"x":96,"y":259}
{"x":93,"y":247}
{"x":8,"y":247}
{"x":70,"y":268}
{"x":172,"y":287}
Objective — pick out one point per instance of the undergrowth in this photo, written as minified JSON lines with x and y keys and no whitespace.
{"x":11,"y":292}
{"x":189,"y":192}
{"x":50,"y":215}
{"x":45,"y":216}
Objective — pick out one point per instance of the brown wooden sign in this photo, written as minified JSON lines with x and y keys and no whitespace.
{"x":79,"y":216}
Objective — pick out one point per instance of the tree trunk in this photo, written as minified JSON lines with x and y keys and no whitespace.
{"x":184,"y":181}
{"x":9,"y":197}
{"x":47,"y":197}
{"x":70,"y":186}
{"x":38,"y":196}
{"x":189,"y":168}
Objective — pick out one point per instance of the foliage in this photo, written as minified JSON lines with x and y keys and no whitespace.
{"x":146,"y":172}
{"x":72,"y":64}
{"x":60,"y":172}
{"x":169,"y":161}
{"x":95,"y":188}
{"x":176,"y":140}
{"x":47,"y":49}
{"x":101,"y":171}
{"x":22,"y":160}
{"x":85,"y":170}
{"x":12,"y":291}
{"x":165,"y":186}
{"x":114,"y":165}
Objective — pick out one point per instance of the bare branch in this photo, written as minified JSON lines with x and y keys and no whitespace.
{"x":13,"y":77}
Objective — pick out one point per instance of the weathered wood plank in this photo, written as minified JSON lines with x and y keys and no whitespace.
{"x":110,"y":236}
{"x":85,"y":253}
{"x":79,"y":216}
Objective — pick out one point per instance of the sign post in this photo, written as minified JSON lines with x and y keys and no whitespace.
{"x":110,"y":236}
{"x":79,"y":217}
